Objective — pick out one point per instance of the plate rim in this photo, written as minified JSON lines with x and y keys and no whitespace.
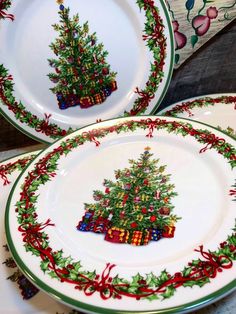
{"x":21,"y":126}
{"x":197,"y":304}
{"x":179,"y":102}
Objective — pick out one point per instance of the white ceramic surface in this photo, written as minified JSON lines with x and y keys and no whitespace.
{"x":220,"y":115}
{"x":202,"y":182}
{"x":119,"y":26}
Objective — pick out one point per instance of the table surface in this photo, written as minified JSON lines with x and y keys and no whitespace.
{"x":212,"y":69}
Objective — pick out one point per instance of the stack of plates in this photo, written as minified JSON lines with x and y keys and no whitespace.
{"x":134,"y":213}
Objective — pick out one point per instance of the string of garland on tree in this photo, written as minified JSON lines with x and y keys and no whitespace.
{"x":136,"y":208}
{"x":82,"y":76}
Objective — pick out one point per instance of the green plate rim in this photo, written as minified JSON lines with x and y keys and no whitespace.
{"x":184,"y":308}
{"x":20,"y":125}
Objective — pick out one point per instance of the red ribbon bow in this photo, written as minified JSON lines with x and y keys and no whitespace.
{"x":3,"y":176}
{"x":211,"y":140}
{"x":3,"y":14}
{"x":91,"y":136}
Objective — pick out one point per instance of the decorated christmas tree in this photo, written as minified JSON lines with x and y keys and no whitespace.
{"x":81,"y":74}
{"x":136,"y":208}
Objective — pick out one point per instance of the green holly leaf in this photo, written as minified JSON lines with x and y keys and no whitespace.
{"x":136,"y":279}
{"x":152,"y":297}
{"x":163,"y":277}
{"x":52,"y":274}
{"x":117,"y":281}
{"x":187,"y":271}
{"x":170,"y":290}
{"x":73,"y":276}
{"x":77,"y":266}
{"x":44,"y":265}
{"x":152,"y":280}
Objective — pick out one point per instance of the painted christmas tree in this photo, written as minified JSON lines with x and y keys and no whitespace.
{"x":136,"y":208}
{"x":82,"y":76}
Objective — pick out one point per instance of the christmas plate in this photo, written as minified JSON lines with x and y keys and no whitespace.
{"x":67,"y":65}
{"x":17,"y":293}
{"x":218,"y":110}
{"x":107,"y":221}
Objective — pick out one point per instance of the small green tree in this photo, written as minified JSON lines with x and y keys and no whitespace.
{"x":82,"y":76}
{"x":136,"y":208}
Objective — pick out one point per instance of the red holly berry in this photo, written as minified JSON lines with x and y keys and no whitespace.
{"x":63,"y":132}
{"x":153,"y":218}
{"x":223,"y":244}
{"x":133,"y":225}
{"x":100,"y":81}
{"x":107,"y":190}
{"x":70,"y":266}
{"x":145,"y":181}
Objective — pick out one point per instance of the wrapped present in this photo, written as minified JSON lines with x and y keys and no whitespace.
{"x":82,"y":226}
{"x":88,"y":215}
{"x":86,"y":102}
{"x":99,"y":98}
{"x":156,"y":234}
{"x":113,"y":86}
{"x":146,"y":237}
{"x":99,"y":228}
{"x":90,"y":226}
{"x":107,"y":91}
{"x":101,"y":225}
{"x":168,"y":231}
{"x":136,"y":238}
{"x":87,"y":222}
{"x":117,"y":235}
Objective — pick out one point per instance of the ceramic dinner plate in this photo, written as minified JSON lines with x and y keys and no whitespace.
{"x":137,"y":37}
{"x":16,"y":293}
{"x":129,"y":215}
{"x":218,"y":110}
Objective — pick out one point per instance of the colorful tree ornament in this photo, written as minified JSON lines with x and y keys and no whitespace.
{"x":82,"y":77}
{"x":131,"y":211}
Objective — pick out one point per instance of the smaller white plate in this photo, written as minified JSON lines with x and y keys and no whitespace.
{"x":10,"y":295}
{"x":218,"y":110}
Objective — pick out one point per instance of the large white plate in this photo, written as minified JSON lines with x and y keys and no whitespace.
{"x":11,"y":296}
{"x":120,"y":26}
{"x":85,"y":268}
{"x":218,"y":110}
